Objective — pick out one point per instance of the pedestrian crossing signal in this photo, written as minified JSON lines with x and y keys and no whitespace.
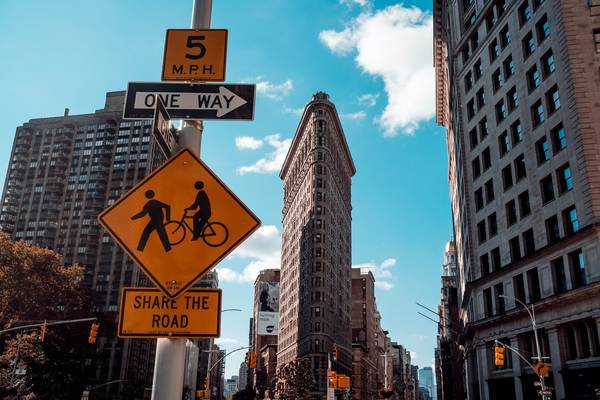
{"x":499,"y":352}
{"x":334,"y":353}
{"x":93,"y":332}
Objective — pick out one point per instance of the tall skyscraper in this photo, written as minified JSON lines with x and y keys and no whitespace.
{"x":315,"y":291}
{"x":426,"y":380}
{"x":517,"y":86}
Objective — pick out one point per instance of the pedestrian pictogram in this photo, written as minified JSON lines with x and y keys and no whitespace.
{"x":195,"y":55}
{"x":160,"y":222}
{"x":148,"y":313}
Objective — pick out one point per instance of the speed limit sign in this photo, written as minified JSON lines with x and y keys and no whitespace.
{"x":195,"y":55}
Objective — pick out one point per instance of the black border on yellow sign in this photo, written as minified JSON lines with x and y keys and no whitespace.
{"x":124,"y":290}
{"x":211,"y":265}
{"x":216,"y":79}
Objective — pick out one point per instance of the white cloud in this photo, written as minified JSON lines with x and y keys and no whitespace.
{"x":413,"y":357}
{"x":274,"y":91}
{"x":247,"y":143}
{"x":263,"y":249}
{"x":393,"y":44}
{"x":368,"y":99}
{"x":294,"y":111}
{"x":273,"y":160}
{"x":362,"y":3}
{"x":382,"y":272}
{"x":357,"y":116}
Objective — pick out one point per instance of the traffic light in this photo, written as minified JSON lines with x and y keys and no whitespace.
{"x":42,"y":332}
{"x":206,"y":382}
{"x":334,"y":352}
{"x":247,"y":359}
{"x":200,"y":394}
{"x":499,"y":351}
{"x":252,"y":359}
{"x":93,"y":332}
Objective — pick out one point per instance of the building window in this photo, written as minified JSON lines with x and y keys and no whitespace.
{"x":553,"y":99}
{"x":534,"y":78}
{"x":503,"y":143}
{"x":480,"y":99}
{"x":528,"y":242}
{"x":533,"y":280}
{"x":516,"y":130}
{"x":496,"y":262}
{"x":524,"y":13}
{"x":577,"y":263}
{"x":473,"y":138}
{"x":570,"y":220}
{"x":515,"y":249}
{"x":478,"y":199}
{"x":476,"y":168}
{"x":558,"y":275}
{"x":548,"y":65}
{"x":596,"y":33}
{"x":552,"y":230}
{"x":559,"y":138}
{"x":542,"y":150}
{"x":481,"y":232}
{"x":484,"y":262}
{"x":537,"y":4}
{"x":497,"y":80}
{"x":537,"y":112}
{"x":528,"y":45}
{"x":468,"y":81}
{"x":501,"y":111}
{"x":509,"y":67}
{"x":520,"y":167}
{"x":483,"y":128}
{"x":478,"y":69}
{"x":489,"y":191}
{"x":499,"y":292}
{"x":505,"y":37}
{"x":487,"y":302}
{"x":513,"y":99}
{"x":547,"y":189}
{"x":486,"y":158}
{"x":492,"y":225}
{"x":519,"y":285}
{"x":511,"y":213}
{"x":524,"y":206}
{"x":471,"y":109}
{"x":507,"y":180}
{"x":565,"y":180}
{"x":490,"y":20}
{"x":543,"y":29}
{"x":494,"y":50}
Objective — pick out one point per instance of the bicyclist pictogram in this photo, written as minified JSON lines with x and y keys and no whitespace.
{"x":171,"y":233}
{"x":179,"y":222}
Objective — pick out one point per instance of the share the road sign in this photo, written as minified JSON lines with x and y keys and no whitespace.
{"x":191,"y":101}
{"x":148,"y":313}
{"x":179,"y":222}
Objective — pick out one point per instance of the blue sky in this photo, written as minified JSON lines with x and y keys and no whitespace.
{"x":372,"y":57}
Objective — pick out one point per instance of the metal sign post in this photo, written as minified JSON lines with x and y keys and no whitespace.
{"x":169,"y":364}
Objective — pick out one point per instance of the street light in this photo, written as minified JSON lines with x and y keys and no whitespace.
{"x":537,"y":341}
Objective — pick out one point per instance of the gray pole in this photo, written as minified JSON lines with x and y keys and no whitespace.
{"x":169,"y":364}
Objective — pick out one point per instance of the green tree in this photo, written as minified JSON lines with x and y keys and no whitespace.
{"x":35,"y":286}
{"x":294,"y":380}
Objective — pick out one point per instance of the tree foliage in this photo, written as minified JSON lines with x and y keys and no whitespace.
{"x":34,"y":287}
{"x":294,"y":380}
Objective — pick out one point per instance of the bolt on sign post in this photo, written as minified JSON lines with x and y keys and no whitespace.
{"x":195,"y":55}
{"x":148,"y":313}
{"x":179,"y":222}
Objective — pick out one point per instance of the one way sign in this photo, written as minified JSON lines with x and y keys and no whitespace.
{"x":190,"y":101}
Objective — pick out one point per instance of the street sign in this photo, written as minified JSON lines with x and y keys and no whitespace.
{"x":191,"y":101}
{"x":20,"y":371}
{"x":161,"y":129}
{"x":179,"y":222}
{"x":195,"y":55}
{"x":148,"y":313}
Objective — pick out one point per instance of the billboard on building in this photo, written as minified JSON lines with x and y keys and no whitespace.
{"x":268,"y":308}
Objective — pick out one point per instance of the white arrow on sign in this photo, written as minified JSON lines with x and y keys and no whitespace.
{"x":223,"y":102}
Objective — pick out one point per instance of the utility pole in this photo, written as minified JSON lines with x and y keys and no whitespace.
{"x":169,"y":363}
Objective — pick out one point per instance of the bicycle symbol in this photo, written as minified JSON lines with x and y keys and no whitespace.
{"x":214,"y":233}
